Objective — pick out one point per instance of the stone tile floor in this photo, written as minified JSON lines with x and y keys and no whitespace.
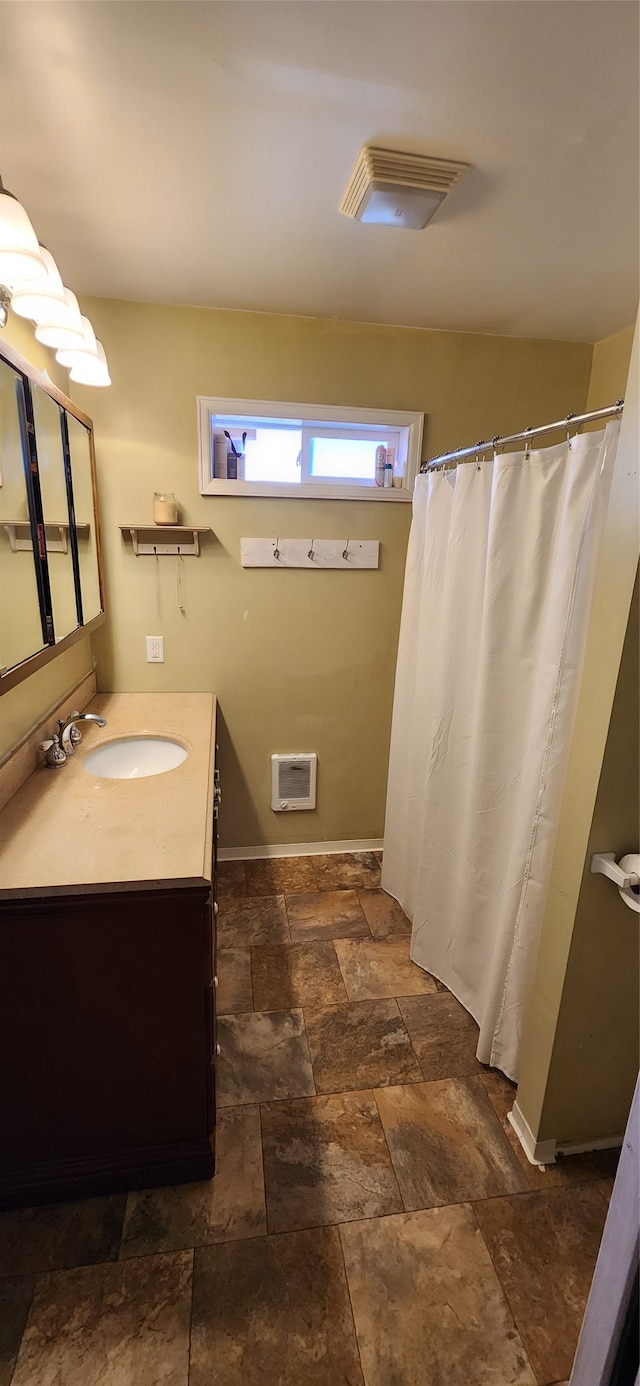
{"x":373,"y":1220}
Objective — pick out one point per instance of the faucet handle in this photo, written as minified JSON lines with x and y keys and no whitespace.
{"x":54,"y":752}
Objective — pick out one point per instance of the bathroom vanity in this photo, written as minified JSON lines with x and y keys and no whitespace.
{"x":107,"y":964}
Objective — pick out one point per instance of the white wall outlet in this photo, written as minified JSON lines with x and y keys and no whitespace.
{"x":155,"y":649}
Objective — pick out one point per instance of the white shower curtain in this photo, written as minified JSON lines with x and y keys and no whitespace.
{"x":498,"y":589}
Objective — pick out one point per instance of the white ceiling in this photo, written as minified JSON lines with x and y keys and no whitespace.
{"x":197,"y":152}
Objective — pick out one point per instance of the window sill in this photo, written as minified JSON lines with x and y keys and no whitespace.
{"x":315,"y":491}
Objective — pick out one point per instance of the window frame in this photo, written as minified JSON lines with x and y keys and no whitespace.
{"x":324,"y":416}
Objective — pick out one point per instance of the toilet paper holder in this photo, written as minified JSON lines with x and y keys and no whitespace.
{"x":604,"y":863}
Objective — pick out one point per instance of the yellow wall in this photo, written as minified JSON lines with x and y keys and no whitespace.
{"x":594,"y":1064}
{"x":610,"y":369}
{"x":595,"y":1055}
{"x":301,"y":661}
{"x":23,"y":707}
{"x":580,"y":1055}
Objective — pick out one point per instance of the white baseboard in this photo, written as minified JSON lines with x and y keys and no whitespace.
{"x":299,"y":849}
{"x":537,"y":1152}
{"x":546,"y":1152}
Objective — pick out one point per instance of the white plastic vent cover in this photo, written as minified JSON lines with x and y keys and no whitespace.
{"x":293,"y":782}
{"x":394,"y":189}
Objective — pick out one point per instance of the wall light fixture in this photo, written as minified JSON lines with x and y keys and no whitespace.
{"x":30,"y":282}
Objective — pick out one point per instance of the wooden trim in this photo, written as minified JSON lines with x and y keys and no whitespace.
{"x":20,"y":363}
{"x":317,"y":490}
{"x":312,"y":490}
{"x":44,"y":656}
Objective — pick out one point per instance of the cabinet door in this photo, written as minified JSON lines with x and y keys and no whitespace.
{"x":79,"y":438}
{"x":47,"y":417}
{"x":21,"y":631}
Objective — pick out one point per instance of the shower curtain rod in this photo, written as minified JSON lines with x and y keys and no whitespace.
{"x":571,"y":421}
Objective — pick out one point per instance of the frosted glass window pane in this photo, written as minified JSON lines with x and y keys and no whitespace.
{"x":343,"y":459}
{"x":273,"y":455}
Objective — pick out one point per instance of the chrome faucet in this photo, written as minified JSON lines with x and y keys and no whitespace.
{"x":70,"y":735}
{"x":63,"y":742}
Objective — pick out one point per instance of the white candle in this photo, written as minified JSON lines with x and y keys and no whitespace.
{"x":165,"y":510}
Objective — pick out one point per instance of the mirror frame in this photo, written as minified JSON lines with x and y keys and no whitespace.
{"x":29,"y":666}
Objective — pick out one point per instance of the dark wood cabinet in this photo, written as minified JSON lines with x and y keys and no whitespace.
{"x":107,"y":1040}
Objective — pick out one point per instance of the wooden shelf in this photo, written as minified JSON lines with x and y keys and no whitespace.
{"x":152,"y":544}
{"x":19,"y":534}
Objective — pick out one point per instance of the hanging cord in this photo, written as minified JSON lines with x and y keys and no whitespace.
{"x":180,"y":582}
{"x":157,"y":582}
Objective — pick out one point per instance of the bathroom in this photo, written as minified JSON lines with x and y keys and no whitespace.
{"x":185,"y":165}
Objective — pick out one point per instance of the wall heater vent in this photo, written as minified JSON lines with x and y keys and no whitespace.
{"x":293,"y":782}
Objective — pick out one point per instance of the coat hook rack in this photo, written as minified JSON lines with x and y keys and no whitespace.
{"x":347,"y":554}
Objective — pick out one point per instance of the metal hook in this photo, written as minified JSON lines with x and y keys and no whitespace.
{"x":477,"y":446}
{"x":568,"y":421}
{"x":276,"y":551}
{"x":527,"y":445}
{"x":345,"y":551}
{"x":310,"y":553}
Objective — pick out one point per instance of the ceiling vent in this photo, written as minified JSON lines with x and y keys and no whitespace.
{"x":393,"y":189}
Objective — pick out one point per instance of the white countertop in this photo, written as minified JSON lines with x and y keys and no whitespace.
{"x":66,"y":831}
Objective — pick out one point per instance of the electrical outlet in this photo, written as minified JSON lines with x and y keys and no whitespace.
{"x":155,"y":649}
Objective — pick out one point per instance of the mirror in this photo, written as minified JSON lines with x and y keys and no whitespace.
{"x":83,"y":503}
{"x":50,"y":574}
{"x":55,"y":511}
{"x":20,"y":620}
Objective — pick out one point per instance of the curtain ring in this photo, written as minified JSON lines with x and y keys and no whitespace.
{"x":568,"y":421}
{"x":276,"y":551}
{"x":345,"y":551}
{"x":310,"y":553}
{"x":527,"y":445}
{"x":494,"y":443}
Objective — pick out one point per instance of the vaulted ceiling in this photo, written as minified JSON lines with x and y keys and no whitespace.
{"x":197,"y":153}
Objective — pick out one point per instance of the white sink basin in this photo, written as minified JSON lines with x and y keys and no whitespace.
{"x":135,"y":757}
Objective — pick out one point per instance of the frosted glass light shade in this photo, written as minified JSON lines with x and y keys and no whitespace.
{"x":20,"y":258}
{"x":67,"y":356}
{"x":62,"y":328}
{"x":91,"y":370}
{"x":36,"y":300}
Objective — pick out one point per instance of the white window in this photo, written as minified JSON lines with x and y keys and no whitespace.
{"x":263,"y":448}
